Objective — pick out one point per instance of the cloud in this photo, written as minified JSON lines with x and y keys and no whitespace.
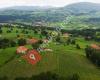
{"x":6,"y":3}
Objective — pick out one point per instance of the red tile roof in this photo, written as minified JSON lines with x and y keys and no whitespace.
{"x":95,"y":46}
{"x":22,"y":49}
{"x":32,"y":41}
{"x":32,"y":57}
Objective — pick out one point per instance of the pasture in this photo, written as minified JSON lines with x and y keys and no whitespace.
{"x":63,"y":60}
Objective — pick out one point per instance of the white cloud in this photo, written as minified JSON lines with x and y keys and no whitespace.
{"x":6,"y":3}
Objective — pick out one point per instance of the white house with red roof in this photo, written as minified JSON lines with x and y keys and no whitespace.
{"x":21,"y":49}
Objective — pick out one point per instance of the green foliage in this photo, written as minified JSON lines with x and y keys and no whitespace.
{"x":93,"y":54}
{"x":74,"y":76}
{"x":21,"y":42}
{"x":63,"y":60}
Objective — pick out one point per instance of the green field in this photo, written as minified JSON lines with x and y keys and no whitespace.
{"x":64,"y":60}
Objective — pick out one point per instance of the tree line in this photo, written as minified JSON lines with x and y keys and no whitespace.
{"x":93,"y":55}
{"x":47,"y":76}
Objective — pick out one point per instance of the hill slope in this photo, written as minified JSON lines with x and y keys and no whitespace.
{"x":49,"y":14}
{"x":83,"y":7}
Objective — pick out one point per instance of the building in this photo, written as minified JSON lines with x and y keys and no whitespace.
{"x":32,"y":41}
{"x":22,"y":49}
{"x":39,"y":24}
{"x":66,"y":35}
{"x":95,"y":46}
{"x":32,"y":56}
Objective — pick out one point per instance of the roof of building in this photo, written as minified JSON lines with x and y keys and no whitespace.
{"x":21,"y":49}
{"x":66,"y":35}
{"x":95,"y":46}
{"x":32,"y":41}
{"x":32,"y":56}
{"x":45,"y":40}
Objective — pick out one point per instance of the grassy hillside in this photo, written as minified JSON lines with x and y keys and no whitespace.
{"x":64,"y":60}
{"x":85,"y":13}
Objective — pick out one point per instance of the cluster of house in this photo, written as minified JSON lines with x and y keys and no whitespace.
{"x":32,"y":56}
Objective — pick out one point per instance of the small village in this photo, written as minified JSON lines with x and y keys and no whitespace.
{"x":44,"y":46}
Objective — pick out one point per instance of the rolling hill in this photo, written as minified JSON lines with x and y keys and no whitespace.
{"x":84,"y":12}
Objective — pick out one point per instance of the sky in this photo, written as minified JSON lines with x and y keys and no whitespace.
{"x":56,"y":3}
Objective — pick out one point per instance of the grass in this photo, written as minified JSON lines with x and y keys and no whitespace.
{"x":74,"y":61}
{"x":5,"y":54}
{"x":13,"y":34}
{"x":64,"y":60}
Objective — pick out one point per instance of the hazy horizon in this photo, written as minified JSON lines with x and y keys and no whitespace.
{"x":53,"y":3}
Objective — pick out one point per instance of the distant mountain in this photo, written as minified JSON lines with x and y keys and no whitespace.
{"x":82,"y":7}
{"x":27,"y":8}
{"x":48,"y":13}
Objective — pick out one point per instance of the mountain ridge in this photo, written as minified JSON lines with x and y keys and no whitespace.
{"x":49,"y":14}
{"x":82,"y":5}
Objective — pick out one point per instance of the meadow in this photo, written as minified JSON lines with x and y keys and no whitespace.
{"x":63,"y":60}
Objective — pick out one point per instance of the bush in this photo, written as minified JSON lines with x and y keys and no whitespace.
{"x":93,"y":55}
{"x":78,"y":46}
{"x":74,"y":76}
{"x":3,"y":78}
{"x":22,"y":42}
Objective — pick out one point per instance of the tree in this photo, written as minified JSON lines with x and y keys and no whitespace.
{"x":78,"y":46}
{"x":73,"y":41}
{"x":37,"y":44}
{"x":21,"y":42}
{"x":88,"y":51}
{"x":35,"y":31}
{"x":3,"y":78}
{"x":46,"y":76}
{"x":8,"y":31}
{"x":21,"y":78}
{"x":74,"y":76}
{"x":58,"y":39}
{"x":1,"y":31}
{"x":12,"y":43}
{"x":4,"y":43}
{"x":68,"y":41}
{"x":41,"y":36}
{"x":93,"y":55}
{"x":16,"y":31}
{"x":44,"y":33}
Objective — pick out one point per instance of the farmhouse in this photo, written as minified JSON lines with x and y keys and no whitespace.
{"x":95,"y":46}
{"x":22,"y":49}
{"x":66,"y":35}
{"x":32,"y":56}
{"x":45,"y":40}
{"x":32,"y":41}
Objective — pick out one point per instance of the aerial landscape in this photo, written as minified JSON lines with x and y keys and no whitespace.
{"x":49,"y":40}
